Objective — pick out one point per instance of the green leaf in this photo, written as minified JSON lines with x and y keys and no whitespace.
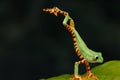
{"x":107,"y":71}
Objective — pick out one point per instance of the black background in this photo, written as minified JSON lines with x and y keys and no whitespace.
{"x":34,"y":44}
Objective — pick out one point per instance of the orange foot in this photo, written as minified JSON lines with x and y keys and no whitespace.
{"x":90,"y":75}
{"x":76,"y":78}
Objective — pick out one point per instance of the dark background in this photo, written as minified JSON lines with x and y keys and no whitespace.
{"x":34,"y":44}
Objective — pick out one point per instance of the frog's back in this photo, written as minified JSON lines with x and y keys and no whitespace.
{"x":80,"y":43}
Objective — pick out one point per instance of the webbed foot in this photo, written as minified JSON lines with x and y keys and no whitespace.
{"x":91,"y":75}
{"x":76,"y":77}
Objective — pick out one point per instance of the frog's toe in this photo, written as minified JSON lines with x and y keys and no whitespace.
{"x":76,"y":78}
{"x":91,"y":75}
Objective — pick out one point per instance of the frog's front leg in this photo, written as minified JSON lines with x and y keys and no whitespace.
{"x":76,"y":74}
{"x":68,"y":19}
{"x":89,"y":73}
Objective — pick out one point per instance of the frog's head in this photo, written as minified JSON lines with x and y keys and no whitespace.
{"x":95,"y":57}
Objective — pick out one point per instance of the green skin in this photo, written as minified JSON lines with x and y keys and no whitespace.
{"x":88,"y":54}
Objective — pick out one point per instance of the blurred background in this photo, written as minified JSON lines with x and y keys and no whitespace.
{"x":34,"y":44}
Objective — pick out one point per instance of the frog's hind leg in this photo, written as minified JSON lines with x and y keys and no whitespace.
{"x":76,"y":74}
{"x":89,"y":73}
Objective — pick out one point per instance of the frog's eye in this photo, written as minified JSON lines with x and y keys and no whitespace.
{"x":96,"y":57}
